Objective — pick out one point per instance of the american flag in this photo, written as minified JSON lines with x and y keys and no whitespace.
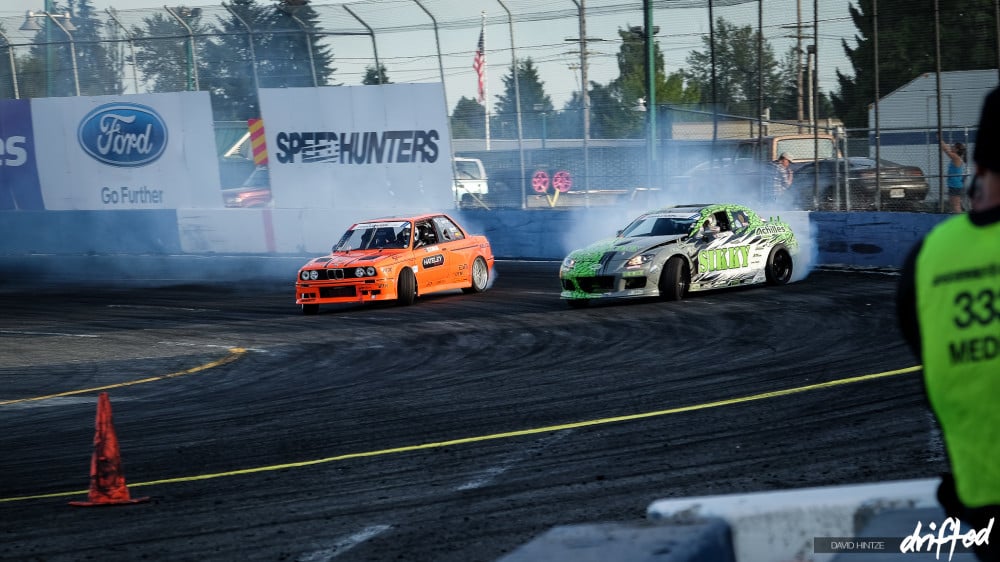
{"x":480,"y":65}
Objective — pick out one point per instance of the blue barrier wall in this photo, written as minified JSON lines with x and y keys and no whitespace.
{"x":869,"y":239}
{"x":89,"y":232}
{"x":853,"y":239}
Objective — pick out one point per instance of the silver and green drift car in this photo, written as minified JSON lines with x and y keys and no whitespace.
{"x":668,"y":252}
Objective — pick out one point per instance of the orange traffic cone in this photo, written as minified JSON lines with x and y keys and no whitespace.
{"x":107,"y":481}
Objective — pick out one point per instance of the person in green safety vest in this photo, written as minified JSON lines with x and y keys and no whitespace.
{"x":948,"y":305}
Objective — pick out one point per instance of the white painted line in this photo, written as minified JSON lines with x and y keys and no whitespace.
{"x":154,"y":307}
{"x":341,"y":546}
{"x":935,"y":442}
{"x":60,"y":334}
{"x":210,"y":345}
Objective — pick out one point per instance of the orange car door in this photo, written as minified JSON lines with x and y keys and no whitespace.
{"x":431,"y":258}
{"x":458,"y":253}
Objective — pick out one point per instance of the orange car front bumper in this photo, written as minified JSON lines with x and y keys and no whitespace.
{"x":345,"y":291}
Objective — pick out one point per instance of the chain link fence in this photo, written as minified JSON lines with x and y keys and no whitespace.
{"x":605,"y":147}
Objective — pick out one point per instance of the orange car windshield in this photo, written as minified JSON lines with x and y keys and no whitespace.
{"x":375,"y":236}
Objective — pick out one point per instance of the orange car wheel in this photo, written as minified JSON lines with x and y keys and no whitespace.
{"x":406,"y":287}
{"x":480,"y":276}
{"x":309,"y":309}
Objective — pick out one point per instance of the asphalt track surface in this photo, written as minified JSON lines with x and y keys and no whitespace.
{"x":455,"y":429}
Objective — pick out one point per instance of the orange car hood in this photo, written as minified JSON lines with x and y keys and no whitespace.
{"x":355,"y":258}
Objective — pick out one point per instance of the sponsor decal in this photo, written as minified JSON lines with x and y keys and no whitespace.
{"x":399,"y":224}
{"x":433,"y":261}
{"x":123,"y":134}
{"x":771,"y":229}
{"x":131,"y":196}
{"x":723,"y":258}
{"x":19,"y":185}
{"x":13,"y":151}
{"x":368,"y":147}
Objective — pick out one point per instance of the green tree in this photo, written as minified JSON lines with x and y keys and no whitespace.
{"x":907,"y":50}
{"x":678,"y":90}
{"x":292,"y":55}
{"x":468,"y":120}
{"x":164,"y":53}
{"x":49,"y":64}
{"x":6,"y":72}
{"x":284,"y":45}
{"x":229,"y":62}
{"x":610,"y":118}
{"x":738,"y":82}
{"x":786,"y":106}
{"x":99,"y":74}
{"x":568,"y":123}
{"x":534,"y":102}
{"x":372,"y":77}
{"x":119,"y":51}
{"x":616,"y":111}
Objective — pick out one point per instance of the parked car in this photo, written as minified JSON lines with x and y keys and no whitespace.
{"x":471,"y":184}
{"x":396,"y":259}
{"x":668,"y":252}
{"x":255,"y":191}
{"x":744,"y":164}
{"x":849,"y":184}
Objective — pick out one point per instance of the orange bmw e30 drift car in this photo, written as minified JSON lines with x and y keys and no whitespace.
{"x":396,"y":259}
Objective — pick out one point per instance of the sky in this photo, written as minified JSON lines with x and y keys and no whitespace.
{"x":558,"y":60}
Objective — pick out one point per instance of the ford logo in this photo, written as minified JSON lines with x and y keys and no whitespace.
{"x":123,"y":134}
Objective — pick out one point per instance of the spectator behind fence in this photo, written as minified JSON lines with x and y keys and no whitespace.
{"x":782,"y":176}
{"x":948,"y":308}
{"x":956,"y":173}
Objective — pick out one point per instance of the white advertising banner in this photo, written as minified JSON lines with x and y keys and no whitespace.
{"x":375,"y":148}
{"x":144,"y":151}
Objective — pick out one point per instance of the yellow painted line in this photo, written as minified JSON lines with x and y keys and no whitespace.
{"x":234,"y":354}
{"x":495,"y":436}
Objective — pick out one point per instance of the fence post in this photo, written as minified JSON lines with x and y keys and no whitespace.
{"x":13,"y":67}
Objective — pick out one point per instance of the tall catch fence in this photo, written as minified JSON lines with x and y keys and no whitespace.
{"x":544,"y":143}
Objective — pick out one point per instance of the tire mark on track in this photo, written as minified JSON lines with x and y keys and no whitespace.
{"x":234,"y":354}
{"x":491,"y":473}
{"x":341,"y":546}
{"x":504,"y":435}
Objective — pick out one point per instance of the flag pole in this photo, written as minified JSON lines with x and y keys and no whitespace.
{"x":486,"y":81}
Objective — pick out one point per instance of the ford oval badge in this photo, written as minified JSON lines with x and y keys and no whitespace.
{"x":123,"y":134}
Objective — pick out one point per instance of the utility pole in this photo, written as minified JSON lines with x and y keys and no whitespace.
{"x":49,"y":53}
{"x":582,"y":16}
{"x":798,"y":65}
{"x":651,"y":166}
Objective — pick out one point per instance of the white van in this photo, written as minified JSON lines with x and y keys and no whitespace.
{"x":471,"y":183}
